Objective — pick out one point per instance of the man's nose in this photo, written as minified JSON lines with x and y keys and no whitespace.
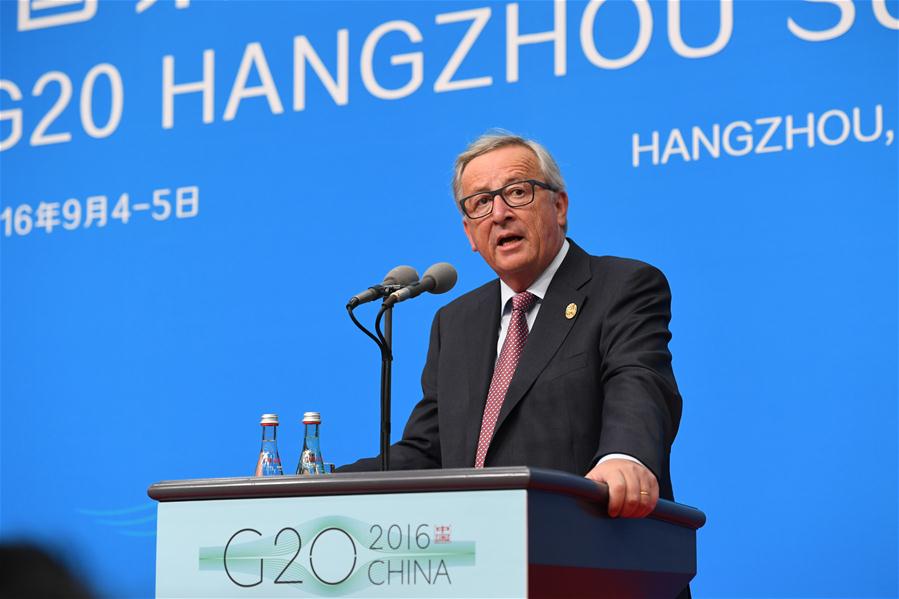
{"x":501,"y":210}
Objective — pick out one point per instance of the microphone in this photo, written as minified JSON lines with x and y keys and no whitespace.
{"x":439,"y":278}
{"x":397,"y":277}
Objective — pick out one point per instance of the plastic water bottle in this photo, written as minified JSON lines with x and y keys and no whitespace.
{"x":269,"y":463}
{"x":311,"y":459}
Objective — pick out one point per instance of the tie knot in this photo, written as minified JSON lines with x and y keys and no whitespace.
{"x":523,"y":301}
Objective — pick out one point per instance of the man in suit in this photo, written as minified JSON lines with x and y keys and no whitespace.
{"x":562,"y":362}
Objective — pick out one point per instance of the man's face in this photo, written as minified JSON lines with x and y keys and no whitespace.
{"x":517,"y":243}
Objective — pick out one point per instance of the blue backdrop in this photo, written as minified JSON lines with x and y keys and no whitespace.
{"x":192,"y":190}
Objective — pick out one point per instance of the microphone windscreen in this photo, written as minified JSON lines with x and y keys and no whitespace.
{"x":444,"y":276}
{"x":401,"y":275}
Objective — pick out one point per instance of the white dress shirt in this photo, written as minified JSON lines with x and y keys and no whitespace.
{"x":538,"y":288}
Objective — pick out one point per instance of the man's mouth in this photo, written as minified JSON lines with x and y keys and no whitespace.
{"x":508,"y":240}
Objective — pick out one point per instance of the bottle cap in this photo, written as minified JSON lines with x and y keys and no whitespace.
{"x":269,"y":420}
{"x":312,"y":418}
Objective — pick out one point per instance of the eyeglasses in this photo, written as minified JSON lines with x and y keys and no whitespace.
{"x":515,"y":195}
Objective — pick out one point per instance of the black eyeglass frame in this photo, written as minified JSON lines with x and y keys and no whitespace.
{"x":499,"y":192}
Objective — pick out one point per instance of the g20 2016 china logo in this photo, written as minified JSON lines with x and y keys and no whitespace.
{"x":321,"y":555}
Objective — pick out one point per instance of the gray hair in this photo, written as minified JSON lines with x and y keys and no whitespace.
{"x":498,"y":138}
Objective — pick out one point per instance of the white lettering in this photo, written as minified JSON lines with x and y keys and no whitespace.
{"x":87,"y":96}
{"x":39,"y":136}
{"x":774,"y":123}
{"x":847,"y":17}
{"x":883,"y":15}
{"x":725,"y":28}
{"x":48,"y":216}
{"x":253,"y":56}
{"x":742,"y":138}
{"x":478,"y":18}
{"x":96,"y":211}
{"x":745,"y":138}
{"x":857,"y":126}
{"x":514,"y":40}
{"x":675,"y":145}
{"x":339,"y":88}
{"x":71,"y":214}
{"x":169,"y":89}
{"x":809,"y":130}
{"x":22,"y":222}
{"x":14,"y":115}
{"x":415,"y":59}
{"x":143,"y":5}
{"x":588,"y":44}
{"x":27,"y":21}
{"x":652,"y":147}
{"x":844,"y":124}
{"x":712,"y":147}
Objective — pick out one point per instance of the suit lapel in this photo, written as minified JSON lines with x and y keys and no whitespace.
{"x":482,"y":324}
{"x":550,"y":329}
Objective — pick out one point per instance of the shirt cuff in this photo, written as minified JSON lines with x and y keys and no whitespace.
{"x":619,"y":456}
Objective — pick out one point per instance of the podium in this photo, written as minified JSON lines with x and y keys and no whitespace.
{"x":494,"y":532}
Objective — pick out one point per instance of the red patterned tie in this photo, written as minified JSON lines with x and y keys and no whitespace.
{"x":505,"y":368}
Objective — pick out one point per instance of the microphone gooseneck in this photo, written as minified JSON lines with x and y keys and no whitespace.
{"x":439,"y":278}
{"x":400,"y":276}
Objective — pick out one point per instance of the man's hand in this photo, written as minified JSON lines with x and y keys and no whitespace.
{"x":633,"y":488}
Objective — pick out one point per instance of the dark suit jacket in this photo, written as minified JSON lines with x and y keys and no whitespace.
{"x":598,"y":383}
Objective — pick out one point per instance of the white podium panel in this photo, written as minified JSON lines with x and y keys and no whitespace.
{"x":435,"y":544}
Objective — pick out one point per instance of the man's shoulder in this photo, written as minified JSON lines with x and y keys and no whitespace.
{"x":474,"y":298}
{"x":613,"y":275}
{"x":619,"y":265}
{"x":615,"y":267}
{"x":488,"y":290}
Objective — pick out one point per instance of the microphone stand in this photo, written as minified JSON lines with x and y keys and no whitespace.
{"x":384,"y":341}
{"x":386,"y":375}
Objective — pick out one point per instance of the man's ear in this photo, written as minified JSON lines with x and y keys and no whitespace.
{"x":468,"y":225}
{"x":562,"y":208}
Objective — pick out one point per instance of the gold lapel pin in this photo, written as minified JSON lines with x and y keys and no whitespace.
{"x":570,"y":311}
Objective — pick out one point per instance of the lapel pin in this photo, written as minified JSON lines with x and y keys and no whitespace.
{"x":570,"y":311}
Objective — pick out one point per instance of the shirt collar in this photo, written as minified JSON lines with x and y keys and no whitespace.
{"x":539,"y":286}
